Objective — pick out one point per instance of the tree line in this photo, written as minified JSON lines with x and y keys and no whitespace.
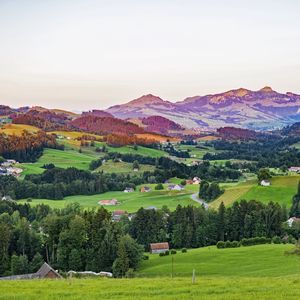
{"x":76,"y":239}
{"x":28,"y":147}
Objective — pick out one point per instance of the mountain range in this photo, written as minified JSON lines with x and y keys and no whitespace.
{"x":264,"y":109}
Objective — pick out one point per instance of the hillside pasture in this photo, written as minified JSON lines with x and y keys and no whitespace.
{"x":123,"y":167}
{"x":130,"y":202}
{"x":61,"y":159}
{"x":253,"y":261}
{"x":257,"y":272}
{"x":282,"y":190}
{"x":17,"y":129}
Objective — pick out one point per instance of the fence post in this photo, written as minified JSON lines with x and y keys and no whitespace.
{"x":194,"y":276}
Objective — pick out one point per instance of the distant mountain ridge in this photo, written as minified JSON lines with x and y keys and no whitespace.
{"x":262,"y":109}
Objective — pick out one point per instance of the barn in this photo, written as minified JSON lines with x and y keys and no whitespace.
{"x":45,"y":272}
{"x":159,"y":247}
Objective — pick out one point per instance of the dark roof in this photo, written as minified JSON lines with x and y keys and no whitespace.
{"x":45,"y":269}
{"x":41,"y":273}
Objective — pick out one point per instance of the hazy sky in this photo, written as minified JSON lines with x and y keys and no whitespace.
{"x":82,"y":54}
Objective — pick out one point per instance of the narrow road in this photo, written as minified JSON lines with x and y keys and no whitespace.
{"x":200,"y":201}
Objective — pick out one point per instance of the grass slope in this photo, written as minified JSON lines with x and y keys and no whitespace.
{"x":255,"y":261}
{"x":129,"y":201}
{"x":282,"y":190}
{"x":17,"y":129}
{"x":61,"y":159}
{"x":258,"y":272}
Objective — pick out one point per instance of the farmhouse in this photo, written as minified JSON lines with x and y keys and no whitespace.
{"x":196,"y":180}
{"x":293,"y":220}
{"x":265,"y":183}
{"x":109,"y":202}
{"x":145,"y":189}
{"x":128,"y":190}
{"x":294,"y":169}
{"x":175,"y":187}
{"x":159,"y":247}
{"x":189,"y":182}
{"x":45,"y":272}
{"x":117,"y":215}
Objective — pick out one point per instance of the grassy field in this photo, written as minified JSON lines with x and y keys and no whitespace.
{"x":205,"y":288}
{"x":254,"y":261}
{"x":128,"y":201}
{"x":17,"y":129}
{"x":61,"y":159}
{"x":123,"y":167}
{"x":282,"y":190}
{"x":257,"y":272}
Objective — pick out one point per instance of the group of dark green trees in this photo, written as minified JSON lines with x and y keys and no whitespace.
{"x":68,"y":239}
{"x":76,"y":239}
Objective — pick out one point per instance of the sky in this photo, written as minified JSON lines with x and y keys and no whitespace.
{"x":84,"y":54}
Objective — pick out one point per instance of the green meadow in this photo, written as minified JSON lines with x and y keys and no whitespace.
{"x":130,"y":202}
{"x":282,"y":190}
{"x":257,"y":272}
{"x":61,"y":159}
{"x":253,"y":261}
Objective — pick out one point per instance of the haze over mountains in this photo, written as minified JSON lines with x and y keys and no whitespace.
{"x":262,"y":109}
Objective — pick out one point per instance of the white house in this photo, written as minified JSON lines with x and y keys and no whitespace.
{"x":196,"y":180}
{"x":294,"y":169}
{"x":292,"y":220}
{"x":265,"y":183}
{"x":128,"y":190}
{"x":175,"y":187}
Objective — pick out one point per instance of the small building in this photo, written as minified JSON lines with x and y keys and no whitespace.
{"x":117,"y":215}
{"x":175,"y":187}
{"x":129,"y":190}
{"x":45,"y":272}
{"x":265,"y":183}
{"x":111,"y":202}
{"x":7,"y":198}
{"x":159,"y":247}
{"x":196,"y":180}
{"x":151,"y":207}
{"x":294,"y":169}
{"x":189,"y":182}
{"x":145,"y":189}
{"x":293,"y":220}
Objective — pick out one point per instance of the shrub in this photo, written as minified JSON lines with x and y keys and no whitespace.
{"x":220,"y":245}
{"x":159,"y":187}
{"x":162,"y":254}
{"x":173,"y":251}
{"x":146,"y":257}
{"x":167,"y":252}
{"x":276,"y":240}
{"x":129,"y":273}
{"x":184,"y":250}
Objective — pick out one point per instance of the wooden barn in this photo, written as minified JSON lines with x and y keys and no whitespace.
{"x":159,"y":247}
{"x":44,"y":272}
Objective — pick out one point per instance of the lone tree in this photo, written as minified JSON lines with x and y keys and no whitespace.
{"x":135,"y":165}
{"x":263,"y":174}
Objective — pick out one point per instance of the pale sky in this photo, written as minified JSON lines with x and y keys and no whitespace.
{"x":83,"y":54}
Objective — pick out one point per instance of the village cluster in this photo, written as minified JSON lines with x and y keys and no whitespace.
{"x":10,"y":167}
{"x":118,"y":214}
